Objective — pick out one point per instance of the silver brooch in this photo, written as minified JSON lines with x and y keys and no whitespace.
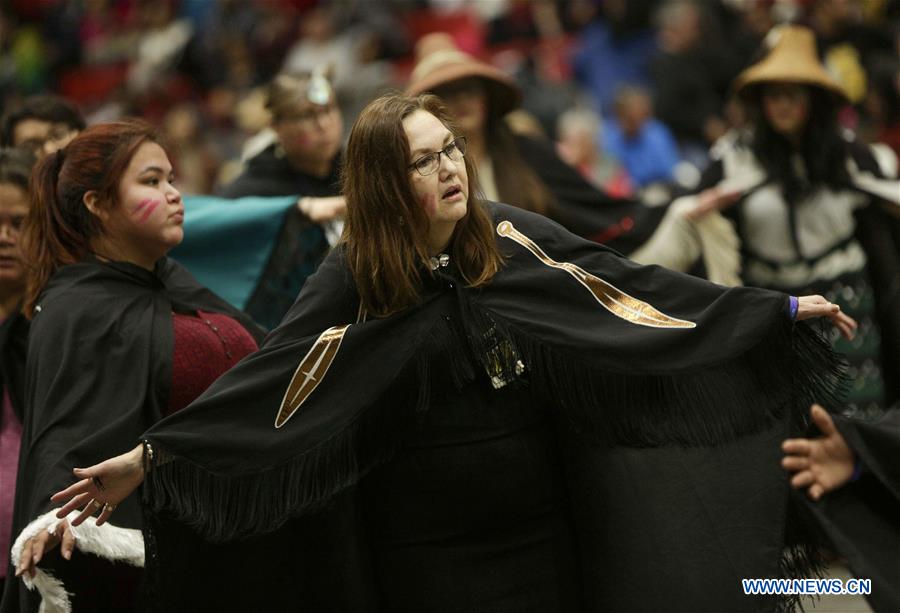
{"x":439,"y":261}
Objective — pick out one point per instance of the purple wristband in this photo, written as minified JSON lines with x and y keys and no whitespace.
{"x":793,"y":306}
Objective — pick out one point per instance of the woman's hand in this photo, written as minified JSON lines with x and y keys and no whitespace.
{"x":35,"y":547}
{"x":322,"y":209}
{"x":809,"y":307}
{"x":713,"y":199}
{"x":819,"y":464}
{"x":102,"y":486}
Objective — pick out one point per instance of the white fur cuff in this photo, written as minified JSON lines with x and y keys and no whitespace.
{"x":106,"y":541}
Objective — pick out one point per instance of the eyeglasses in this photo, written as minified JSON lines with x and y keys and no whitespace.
{"x":311,"y":117}
{"x":429,"y":163}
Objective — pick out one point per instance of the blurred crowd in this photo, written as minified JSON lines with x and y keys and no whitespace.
{"x":633,"y":92}
{"x":750,"y":142}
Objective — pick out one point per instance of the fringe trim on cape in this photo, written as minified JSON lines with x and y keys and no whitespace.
{"x":789,"y":368}
{"x":225,"y":507}
{"x":106,"y":541}
{"x":801,"y":558}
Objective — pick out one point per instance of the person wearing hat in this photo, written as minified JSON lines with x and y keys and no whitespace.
{"x":304,"y":161}
{"x":512,"y":167}
{"x":794,"y":204}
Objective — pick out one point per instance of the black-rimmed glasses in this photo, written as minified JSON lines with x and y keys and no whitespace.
{"x":429,"y":163}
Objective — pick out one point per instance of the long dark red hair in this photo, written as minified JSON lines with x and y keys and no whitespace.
{"x":59,"y":228}
{"x":386,"y":229}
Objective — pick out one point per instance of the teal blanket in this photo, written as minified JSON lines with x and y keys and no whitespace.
{"x":227,"y":242}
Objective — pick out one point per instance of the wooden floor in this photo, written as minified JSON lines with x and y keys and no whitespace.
{"x":837,"y":604}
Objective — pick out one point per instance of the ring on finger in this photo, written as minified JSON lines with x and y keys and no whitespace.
{"x":96,"y":504}
{"x":109,"y":507}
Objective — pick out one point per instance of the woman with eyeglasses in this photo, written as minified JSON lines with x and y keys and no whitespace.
{"x":470,"y":409}
{"x":521,"y":169}
{"x":303,"y":161}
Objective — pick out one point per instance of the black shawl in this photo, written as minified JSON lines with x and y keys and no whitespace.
{"x":98,"y":373}
{"x":652,"y":373}
{"x":704,"y":365}
{"x":13,"y":343}
{"x":621,"y":223}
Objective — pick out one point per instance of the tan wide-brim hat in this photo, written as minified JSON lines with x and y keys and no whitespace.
{"x":792,"y":59}
{"x":439,"y":62}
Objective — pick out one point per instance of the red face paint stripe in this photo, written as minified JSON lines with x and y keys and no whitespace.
{"x":151,"y":206}
{"x":141,"y":205}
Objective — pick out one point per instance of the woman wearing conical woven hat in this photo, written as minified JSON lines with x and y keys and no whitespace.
{"x":522,"y":170}
{"x":804,"y":205}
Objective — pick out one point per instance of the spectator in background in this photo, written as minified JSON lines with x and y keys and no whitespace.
{"x":687,"y":97}
{"x":303,"y":161}
{"x":193,"y":155}
{"x":41,"y":125}
{"x":615,"y":50}
{"x":642,"y":144}
{"x":358,"y":75}
{"x":881,"y":121}
{"x":746,"y":25}
{"x":848,"y":47}
{"x":161,"y":41}
{"x":521,"y":170}
{"x":15,"y":170}
{"x":578,"y":143}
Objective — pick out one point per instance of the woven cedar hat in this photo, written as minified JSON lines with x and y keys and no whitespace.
{"x":792,"y":59}
{"x":439,"y":61}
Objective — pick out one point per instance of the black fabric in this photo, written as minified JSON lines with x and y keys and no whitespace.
{"x":685,"y":94}
{"x":301,"y":244}
{"x":471,"y":513}
{"x":878,"y":232}
{"x":270,"y":174}
{"x":619,"y":223}
{"x":98,"y":375}
{"x":676,"y":529}
{"x":320,"y":562}
{"x":860,"y":519}
{"x":13,"y":346}
{"x":744,"y":373}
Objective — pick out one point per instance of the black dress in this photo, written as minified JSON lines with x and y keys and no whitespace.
{"x":471,"y":514}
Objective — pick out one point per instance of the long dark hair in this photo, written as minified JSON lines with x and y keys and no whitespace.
{"x":822,"y":147}
{"x":517,"y":183}
{"x":60,"y":228}
{"x":386,"y":229}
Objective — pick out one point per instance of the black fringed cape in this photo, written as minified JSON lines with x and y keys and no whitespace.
{"x":636,"y":359}
{"x":98,"y":374}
